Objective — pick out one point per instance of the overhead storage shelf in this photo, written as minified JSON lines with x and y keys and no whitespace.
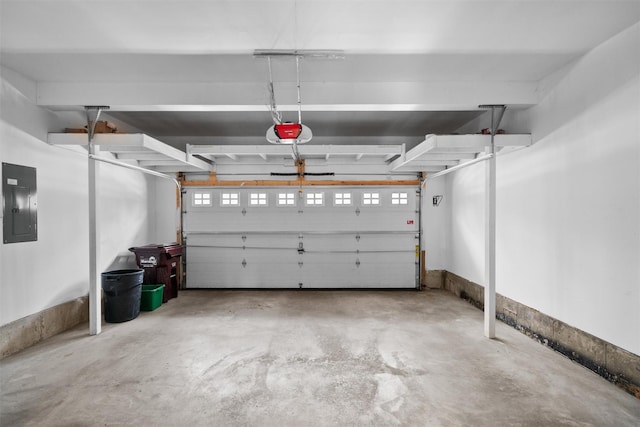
{"x":146,"y":151}
{"x":435,"y":154}
{"x":439,"y":152}
{"x":331,"y":153}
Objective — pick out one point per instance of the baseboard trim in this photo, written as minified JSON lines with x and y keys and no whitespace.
{"x":30,"y":330}
{"x":433,"y":279}
{"x":611,"y":362}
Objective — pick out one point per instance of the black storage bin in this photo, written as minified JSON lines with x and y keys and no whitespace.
{"x":122,"y":290}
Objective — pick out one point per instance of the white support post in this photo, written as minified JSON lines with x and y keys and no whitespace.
{"x":490,"y":240}
{"x":490,"y":250}
{"x":95,"y":288}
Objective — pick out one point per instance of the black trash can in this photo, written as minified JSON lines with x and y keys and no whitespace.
{"x":122,"y":290}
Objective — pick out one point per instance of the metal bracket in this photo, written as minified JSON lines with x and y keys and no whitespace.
{"x":93,"y":114}
{"x":357,"y":262}
{"x":300,"y":248}
{"x":244,"y":263}
{"x":495,"y":120}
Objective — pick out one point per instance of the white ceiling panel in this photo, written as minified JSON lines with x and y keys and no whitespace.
{"x":184,"y":71}
{"x":397,"y":26}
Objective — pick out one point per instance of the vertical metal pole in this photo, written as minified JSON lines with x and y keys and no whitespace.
{"x":490,"y":239}
{"x":298,"y":84}
{"x":419,"y":266}
{"x":95,"y":289}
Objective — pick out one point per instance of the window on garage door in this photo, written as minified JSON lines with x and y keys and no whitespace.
{"x":201,"y":199}
{"x":314,"y":199}
{"x":286,"y":199}
{"x":371,"y":198}
{"x":229,"y":199}
{"x":341,"y":199}
{"x":399,"y":198}
{"x":258,"y":199}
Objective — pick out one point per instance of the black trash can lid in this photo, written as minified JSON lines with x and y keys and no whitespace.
{"x":122,"y":272}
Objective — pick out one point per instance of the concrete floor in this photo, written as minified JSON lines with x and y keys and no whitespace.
{"x":305,"y":358}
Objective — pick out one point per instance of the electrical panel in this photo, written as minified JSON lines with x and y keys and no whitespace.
{"x":19,"y":204}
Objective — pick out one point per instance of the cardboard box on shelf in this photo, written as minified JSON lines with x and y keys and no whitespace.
{"x":101,"y":127}
{"x":105,"y":127}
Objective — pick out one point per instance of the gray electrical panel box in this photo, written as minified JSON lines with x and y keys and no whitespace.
{"x":19,"y":204}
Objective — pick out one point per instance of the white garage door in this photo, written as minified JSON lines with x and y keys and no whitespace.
{"x":316,"y":237}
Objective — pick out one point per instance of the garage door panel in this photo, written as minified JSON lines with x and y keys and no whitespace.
{"x":210,"y":255}
{"x":323,"y":218}
{"x":396,"y":261}
{"x":362,"y":242}
{"x":338,"y":242}
{"x":330,"y":242}
{"x":226,"y":255}
{"x":253,"y":275}
{"x":244,"y":240}
{"x":387,"y":220}
{"x":375,"y":220}
{"x":351,"y":274}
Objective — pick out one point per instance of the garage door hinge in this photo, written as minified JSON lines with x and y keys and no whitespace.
{"x":357,"y":262}
{"x":357,"y":211}
{"x":300,"y":264}
{"x":244,"y":211}
{"x":244,"y":263}
{"x":300,"y":248}
{"x":357,"y":237}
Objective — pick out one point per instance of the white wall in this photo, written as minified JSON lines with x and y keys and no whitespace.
{"x":54,"y":269}
{"x":435,"y":225}
{"x":568,"y":208}
{"x":164,"y":205}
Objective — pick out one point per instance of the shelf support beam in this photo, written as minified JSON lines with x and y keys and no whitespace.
{"x":93,"y":115}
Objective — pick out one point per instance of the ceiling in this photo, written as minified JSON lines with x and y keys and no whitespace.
{"x":184,"y":71}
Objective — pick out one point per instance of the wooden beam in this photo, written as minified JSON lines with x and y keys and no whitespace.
{"x":214,"y":182}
